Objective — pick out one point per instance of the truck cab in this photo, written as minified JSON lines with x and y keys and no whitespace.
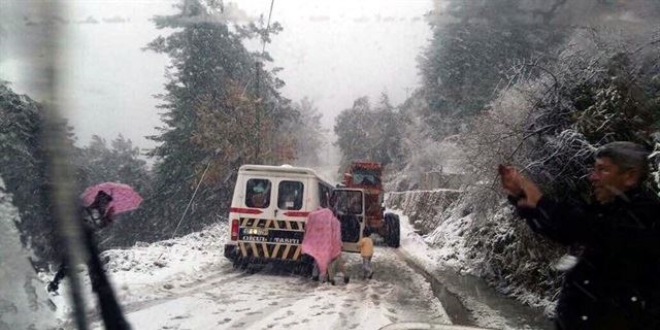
{"x":367,"y":176}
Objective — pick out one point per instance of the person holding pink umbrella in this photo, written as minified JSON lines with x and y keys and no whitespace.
{"x":100,"y":204}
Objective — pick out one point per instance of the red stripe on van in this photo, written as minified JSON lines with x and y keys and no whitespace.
{"x":245,"y":210}
{"x":296,"y":214}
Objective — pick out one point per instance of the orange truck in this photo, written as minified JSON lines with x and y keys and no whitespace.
{"x":367,"y":176}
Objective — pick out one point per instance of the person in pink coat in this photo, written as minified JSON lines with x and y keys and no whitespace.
{"x":322,"y":241}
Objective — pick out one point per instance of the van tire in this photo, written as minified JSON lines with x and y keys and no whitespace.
{"x":240,"y":264}
{"x":303,"y":269}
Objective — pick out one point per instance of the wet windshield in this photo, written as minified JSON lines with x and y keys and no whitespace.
{"x":160,"y":161}
{"x":366,"y":178}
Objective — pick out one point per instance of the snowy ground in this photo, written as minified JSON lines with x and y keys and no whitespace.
{"x":186,"y":283}
{"x":192,"y":286}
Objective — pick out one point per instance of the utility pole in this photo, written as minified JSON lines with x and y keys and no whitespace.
{"x":260,"y":99}
{"x":257,"y":149}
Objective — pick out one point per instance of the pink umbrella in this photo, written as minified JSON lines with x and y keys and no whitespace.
{"x":124,"y":198}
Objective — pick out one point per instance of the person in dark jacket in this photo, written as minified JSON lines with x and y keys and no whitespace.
{"x":616,"y":282}
{"x":94,"y":217}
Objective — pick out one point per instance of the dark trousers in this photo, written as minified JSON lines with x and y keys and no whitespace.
{"x":63,"y":271}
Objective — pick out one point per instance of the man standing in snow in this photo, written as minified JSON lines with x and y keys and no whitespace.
{"x":616,"y":282}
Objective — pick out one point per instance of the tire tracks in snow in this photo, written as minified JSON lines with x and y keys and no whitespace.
{"x":279,"y":301}
{"x":187,"y":289}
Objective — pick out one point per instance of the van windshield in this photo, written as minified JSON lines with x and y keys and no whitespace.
{"x":366,"y":178}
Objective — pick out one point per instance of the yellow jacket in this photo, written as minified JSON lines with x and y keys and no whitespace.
{"x":366,"y":246}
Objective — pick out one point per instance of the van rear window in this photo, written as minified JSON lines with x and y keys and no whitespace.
{"x":257,"y":193}
{"x":290,"y":195}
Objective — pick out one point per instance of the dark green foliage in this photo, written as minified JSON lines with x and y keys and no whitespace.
{"x":310,"y":136}
{"x":119,"y":162}
{"x":477,"y":45}
{"x":474,"y":46}
{"x":22,"y":168}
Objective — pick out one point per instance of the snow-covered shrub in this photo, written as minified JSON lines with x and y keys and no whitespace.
{"x":424,"y":155}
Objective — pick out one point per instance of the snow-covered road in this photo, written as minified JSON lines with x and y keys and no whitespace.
{"x":186,"y":283}
{"x":233,"y":299}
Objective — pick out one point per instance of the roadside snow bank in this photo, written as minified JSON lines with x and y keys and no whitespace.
{"x":495,"y":247}
{"x":422,"y":206}
{"x":23,"y":302}
{"x":156,"y":262}
{"x":149,"y":271}
{"x":487,"y":307}
{"x":414,"y":247}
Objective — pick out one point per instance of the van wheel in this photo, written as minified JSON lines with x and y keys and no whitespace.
{"x":239,"y":264}
{"x":393,"y":230}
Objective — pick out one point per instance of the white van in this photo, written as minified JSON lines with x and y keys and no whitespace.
{"x":269,"y":210}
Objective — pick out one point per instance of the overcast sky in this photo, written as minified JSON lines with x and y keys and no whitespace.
{"x":332,"y":51}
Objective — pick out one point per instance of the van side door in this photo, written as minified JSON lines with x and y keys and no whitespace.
{"x":349,"y":207}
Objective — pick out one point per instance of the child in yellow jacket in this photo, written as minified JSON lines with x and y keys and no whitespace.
{"x":366,"y":246}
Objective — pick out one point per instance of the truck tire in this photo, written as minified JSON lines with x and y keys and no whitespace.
{"x":396,"y":232}
{"x":393,"y":237}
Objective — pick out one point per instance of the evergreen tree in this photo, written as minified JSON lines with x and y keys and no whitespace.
{"x":479,"y":47}
{"x":22,"y":168}
{"x":364,"y":133}
{"x":475,"y":44}
{"x":308,"y":133}
{"x":221,"y":109}
{"x":119,"y":162}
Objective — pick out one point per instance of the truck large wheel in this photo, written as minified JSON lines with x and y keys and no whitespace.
{"x":392,"y":223}
{"x":396,"y":232}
